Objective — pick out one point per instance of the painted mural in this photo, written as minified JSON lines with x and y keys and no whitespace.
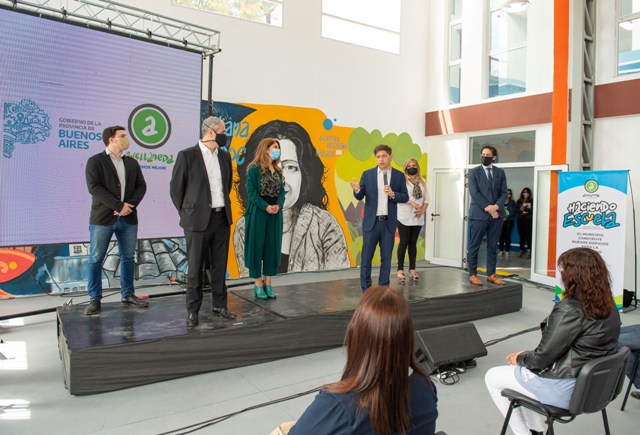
{"x":322,"y":219}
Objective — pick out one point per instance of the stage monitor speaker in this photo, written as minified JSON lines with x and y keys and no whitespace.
{"x":447,"y":345}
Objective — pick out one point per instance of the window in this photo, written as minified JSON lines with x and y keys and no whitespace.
{"x":628,"y":37}
{"x":261,"y":11}
{"x":370,"y":23}
{"x":517,"y":147}
{"x":507,"y":50}
{"x":455,"y":50}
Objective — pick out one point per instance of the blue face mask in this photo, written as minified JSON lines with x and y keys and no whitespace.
{"x":275,"y":154}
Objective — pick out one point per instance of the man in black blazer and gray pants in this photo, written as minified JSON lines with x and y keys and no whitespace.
{"x":200,"y":187}
{"x":117,"y":186}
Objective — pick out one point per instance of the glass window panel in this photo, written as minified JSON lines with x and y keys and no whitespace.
{"x":507,"y":72}
{"x":347,"y":31}
{"x":517,"y":147}
{"x":455,"y":44}
{"x":384,"y":14}
{"x":262,"y":11}
{"x":508,"y":29}
{"x":454,"y":84}
{"x":628,"y":7}
{"x":629,"y":47}
{"x":455,"y":10}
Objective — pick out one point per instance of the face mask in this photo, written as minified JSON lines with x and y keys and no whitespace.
{"x":275,"y":154}
{"x":221,"y":139}
{"x":412,"y":171}
{"x":123,"y":143}
{"x":486,"y":161}
{"x":525,"y":195}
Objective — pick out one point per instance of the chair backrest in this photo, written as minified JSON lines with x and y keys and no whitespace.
{"x":599,"y":382}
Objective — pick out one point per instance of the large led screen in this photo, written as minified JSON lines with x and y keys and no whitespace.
{"x":60,"y":86}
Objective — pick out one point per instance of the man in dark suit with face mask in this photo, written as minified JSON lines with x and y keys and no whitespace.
{"x":200,"y":187}
{"x":488,"y":190}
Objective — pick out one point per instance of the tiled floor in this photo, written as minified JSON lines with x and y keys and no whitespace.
{"x":33,"y":399}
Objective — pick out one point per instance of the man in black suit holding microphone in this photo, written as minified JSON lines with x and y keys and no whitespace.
{"x":200,"y":187}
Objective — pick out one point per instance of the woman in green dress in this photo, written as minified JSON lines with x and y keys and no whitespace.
{"x":263,"y":217}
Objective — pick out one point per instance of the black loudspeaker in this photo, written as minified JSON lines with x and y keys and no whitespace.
{"x":437,"y":348}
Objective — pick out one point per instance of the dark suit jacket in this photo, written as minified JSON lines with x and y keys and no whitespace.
{"x":369,"y":188}
{"x":483,"y":195}
{"x":104,"y":187}
{"x":190,"y":190}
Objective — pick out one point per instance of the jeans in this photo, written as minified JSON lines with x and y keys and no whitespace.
{"x":99,"y":238}
{"x":630,"y":337}
{"x":522,"y":419}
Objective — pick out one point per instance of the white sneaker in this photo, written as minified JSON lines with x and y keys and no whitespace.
{"x":508,"y":253}
{"x":502,"y":253}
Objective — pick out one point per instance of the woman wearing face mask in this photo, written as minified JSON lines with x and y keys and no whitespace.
{"x":507,"y":225}
{"x":524,"y":211}
{"x":312,"y":237}
{"x":263,"y":217}
{"x":411,"y":218}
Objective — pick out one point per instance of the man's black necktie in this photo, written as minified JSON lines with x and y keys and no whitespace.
{"x":490,"y":178}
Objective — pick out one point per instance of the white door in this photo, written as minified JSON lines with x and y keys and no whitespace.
{"x":446,"y":217}
{"x":545,"y":201}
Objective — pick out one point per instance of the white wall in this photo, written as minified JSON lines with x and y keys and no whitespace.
{"x":616,"y":139}
{"x":294,"y":66}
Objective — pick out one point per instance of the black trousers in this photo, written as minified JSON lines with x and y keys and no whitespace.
{"x":408,"y":242}
{"x":505,"y":236}
{"x":210,"y":247}
{"x":525,"y":227}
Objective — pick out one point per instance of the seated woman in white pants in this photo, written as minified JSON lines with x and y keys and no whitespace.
{"x":583,"y":326}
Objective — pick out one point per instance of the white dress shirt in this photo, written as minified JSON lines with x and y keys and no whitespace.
{"x":212,"y":165}
{"x":119,"y":164}
{"x":383,"y":198}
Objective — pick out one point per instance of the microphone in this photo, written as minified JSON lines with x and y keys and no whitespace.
{"x":386,"y":180}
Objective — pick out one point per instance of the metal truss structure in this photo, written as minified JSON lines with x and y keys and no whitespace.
{"x":124,"y":19}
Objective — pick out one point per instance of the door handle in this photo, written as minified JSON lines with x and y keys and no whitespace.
{"x":434,"y":214}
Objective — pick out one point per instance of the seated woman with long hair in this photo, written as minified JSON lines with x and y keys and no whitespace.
{"x":383,"y":389}
{"x":583,"y":326}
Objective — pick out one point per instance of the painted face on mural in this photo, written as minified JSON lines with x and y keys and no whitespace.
{"x":291,"y":171}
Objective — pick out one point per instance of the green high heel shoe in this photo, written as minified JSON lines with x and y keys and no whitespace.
{"x":269,"y":291}
{"x":258,"y":291}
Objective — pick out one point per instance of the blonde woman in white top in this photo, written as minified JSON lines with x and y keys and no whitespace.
{"x":411,"y":218}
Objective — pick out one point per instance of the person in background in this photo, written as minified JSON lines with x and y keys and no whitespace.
{"x":507,"y":224}
{"x":630,"y":337}
{"x":488,"y":191}
{"x":199,"y":188}
{"x":263,"y":217}
{"x":383,"y":390}
{"x":117,"y":186}
{"x":524,"y":210}
{"x":383,"y":187}
{"x":583,"y":326}
{"x":411,"y":218}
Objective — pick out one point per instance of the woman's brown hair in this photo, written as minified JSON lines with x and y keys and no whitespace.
{"x":262,"y":159}
{"x":585,"y":276}
{"x":379,"y":343}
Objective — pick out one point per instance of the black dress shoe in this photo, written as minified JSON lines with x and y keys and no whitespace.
{"x":93,"y":308}
{"x":223,"y":312}
{"x":134,"y":300}
{"x":192,"y":320}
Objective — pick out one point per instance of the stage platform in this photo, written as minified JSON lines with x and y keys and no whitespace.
{"x":126,"y":347}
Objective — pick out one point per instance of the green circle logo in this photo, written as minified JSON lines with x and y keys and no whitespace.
{"x":591,"y":186}
{"x":149,"y":126}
